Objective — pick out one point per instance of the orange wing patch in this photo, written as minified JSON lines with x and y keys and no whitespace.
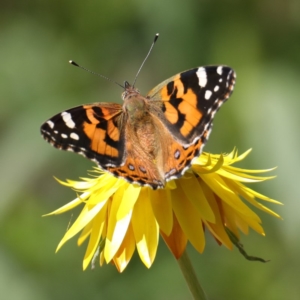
{"x":98,"y":137}
{"x":101,"y":130}
{"x":188,"y":107}
{"x":162,"y":91}
{"x":178,"y":87}
{"x":180,"y":108}
{"x":113,"y":131}
{"x":171,"y":113}
{"x":91,"y":116}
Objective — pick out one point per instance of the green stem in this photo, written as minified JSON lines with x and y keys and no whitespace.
{"x":190,"y":277}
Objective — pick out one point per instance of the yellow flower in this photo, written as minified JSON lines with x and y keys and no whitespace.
{"x":119,"y":217}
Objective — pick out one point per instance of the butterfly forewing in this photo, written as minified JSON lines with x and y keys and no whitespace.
{"x":190,"y":100}
{"x":95,"y":131}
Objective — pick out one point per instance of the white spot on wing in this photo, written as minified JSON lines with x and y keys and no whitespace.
{"x":207,"y":94}
{"x":74,"y":136}
{"x":64,"y":136}
{"x":50,"y":123}
{"x":229,"y":74}
{"x":220,"y":70}
{"x":202,"y":76}
{"x":216,"y":88}
{"x":68,"y":119}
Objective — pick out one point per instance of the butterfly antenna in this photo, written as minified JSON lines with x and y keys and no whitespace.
{"x":72,"y":62}
{"x":138,"y":72}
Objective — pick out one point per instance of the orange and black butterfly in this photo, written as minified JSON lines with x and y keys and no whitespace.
{"x":151,"y":139}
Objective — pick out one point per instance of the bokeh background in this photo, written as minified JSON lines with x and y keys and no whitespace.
{"x":260,"y":39}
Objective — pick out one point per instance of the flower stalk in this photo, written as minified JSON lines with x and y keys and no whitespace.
{"x":190,"y":277}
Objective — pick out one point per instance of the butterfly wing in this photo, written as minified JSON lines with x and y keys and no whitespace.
{"x":94,"y":131}
{"x":189,"y":100}
{"x":186,"y":104}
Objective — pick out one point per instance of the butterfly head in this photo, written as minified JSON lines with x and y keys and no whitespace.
{"x":129,"y":91}
{"x":134,"y":103}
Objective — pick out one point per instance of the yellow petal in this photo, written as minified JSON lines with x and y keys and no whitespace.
{"x":103,"y":193}
{"x":258,"y":195}
{"x":129,"y":195}
{"x":83,"y":219}
{"x":116,"y":229}
{"x":145,"y":229}
{"x":194,"y":193}
{"x":217,"y":228}
{"x":85,"y":233}
{"x":219,"y":187}
{"x":249,"y":195}
{"x":126,"y":250}
{"x":98,"y":224}
{"x":70,"y":205}
{"x":250,"y":171}
{"x":177,"y":240}
{"x":162,"y":208}
{"x":189,"y":219}
{"x":171,"y":185}
{"x":204,"y":169}
{"x":242,"y":177}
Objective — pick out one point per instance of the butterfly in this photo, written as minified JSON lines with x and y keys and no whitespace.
{"x":146,"y":140}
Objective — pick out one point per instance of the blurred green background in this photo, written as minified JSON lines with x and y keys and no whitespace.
{"x":259,"y":39}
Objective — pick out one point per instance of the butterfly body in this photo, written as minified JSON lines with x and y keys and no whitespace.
{"x":146,"y":140}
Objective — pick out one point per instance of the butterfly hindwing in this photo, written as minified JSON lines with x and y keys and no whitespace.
{"x":94,"y":131}
{"x":190,"y":100}
{"x":181,"y":157}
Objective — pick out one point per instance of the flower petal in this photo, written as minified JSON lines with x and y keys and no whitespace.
{"x":98,"y":225}
{"x":83,"y":219}
{"x":162,"y":208}
{"x":129,"y":194}
{"x":70,"y":205}
{"x":85,"y":233}
{"x":216,"y":228}
{"x":242,"y":177}
{"x":209,"y":167}
{"x":250,"y":195}
{"x":126,"y":250}
{"x":219,"y":187}
{"x":177,"y":240}
{"x":104,"y":192}
{"x":116,"y":229}
{"x":194,"y":193}
{"x":145,"y":229}
{"x":189,"y":218}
